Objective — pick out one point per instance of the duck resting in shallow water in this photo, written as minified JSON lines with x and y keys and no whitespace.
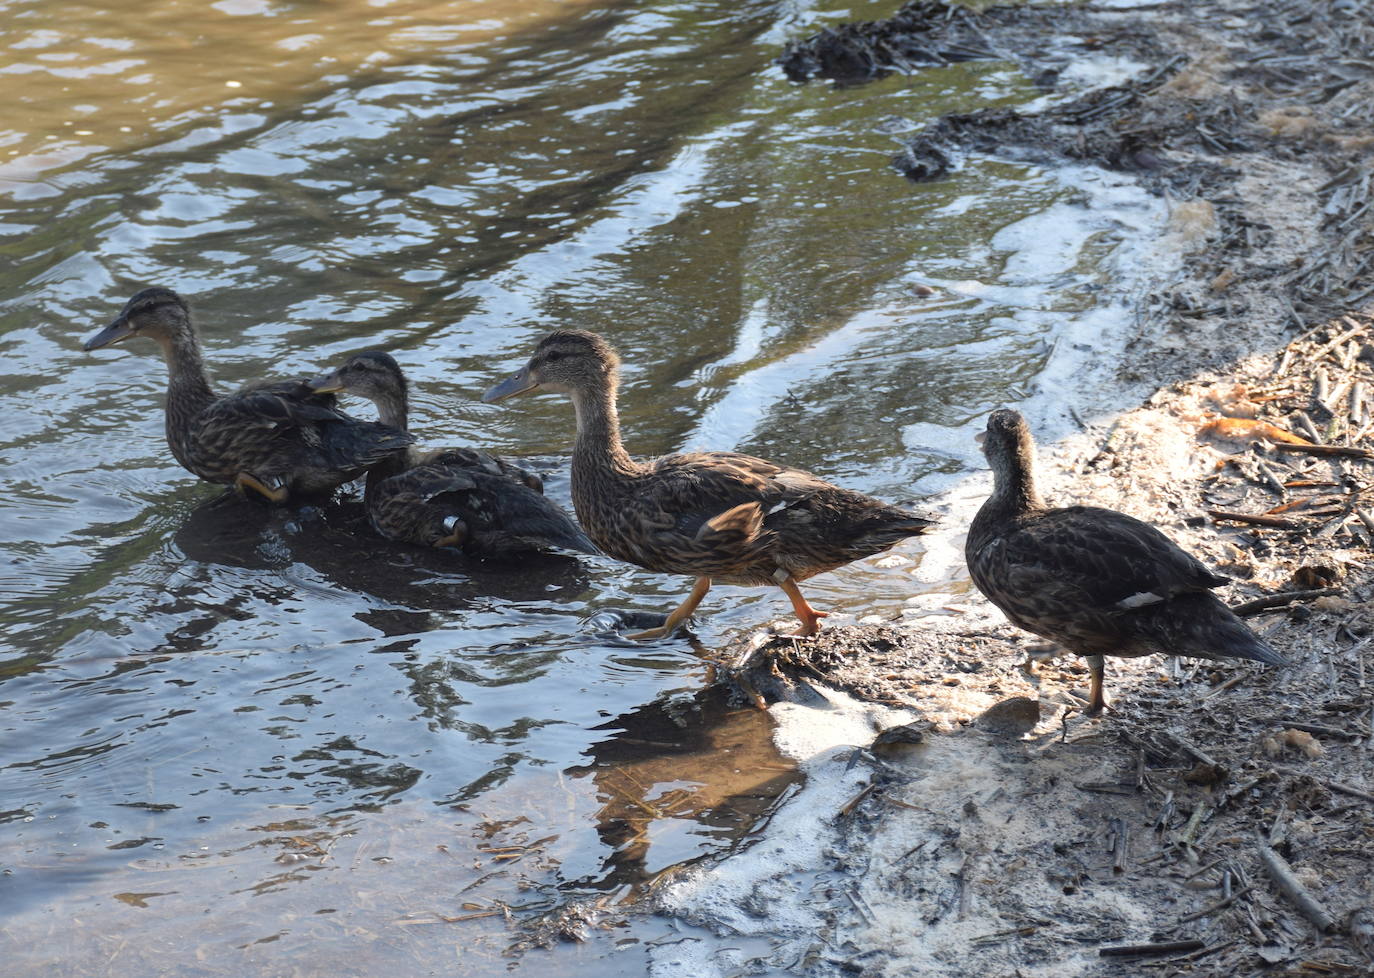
{"x":276,"y":439}
{"x":1096,"y":581}
{"x":452,"y":497}
{"x":715,"y":516}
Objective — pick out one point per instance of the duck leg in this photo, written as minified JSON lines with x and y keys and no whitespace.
{"x":809,"y":616}
{"x":276,"y":494}
{"x":1097,"y":700}
{"x":457,"y":533}
{"x":680,"y":613}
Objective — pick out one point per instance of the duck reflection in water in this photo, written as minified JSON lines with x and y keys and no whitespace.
{"x":677,"y":778}
{"x":229,"y":530}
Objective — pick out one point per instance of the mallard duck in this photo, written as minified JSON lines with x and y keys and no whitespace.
{"x":1096,"y":581}
{"x":275,"y":438}
{"x":715,"y":516}
{"x":452,"y":497}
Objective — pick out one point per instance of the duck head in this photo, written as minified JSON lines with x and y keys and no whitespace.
{"x":371,"y":374}
{"x":572,"y":361}
{"x":157,"y":313}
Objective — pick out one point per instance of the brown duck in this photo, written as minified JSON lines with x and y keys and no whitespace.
{"x":453,"y":497}
{"x":711,"y":515}
{"x":274,"y":438}
{"x":1096,"y":581}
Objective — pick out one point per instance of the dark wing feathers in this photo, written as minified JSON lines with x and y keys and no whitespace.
{"x":283,"y":429}
{"x":740,"y":518}
{"x":501,"y":514}
{"x":1100,"y":582}
{"x":1096,"y":558}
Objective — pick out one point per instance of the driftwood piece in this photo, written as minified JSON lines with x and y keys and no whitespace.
{"x":1347,"y":451}
{"x":1142,"y":950}
{"x":1257,"y":605}
{"x":1256,"y":519}
{"x":1291,"y":887}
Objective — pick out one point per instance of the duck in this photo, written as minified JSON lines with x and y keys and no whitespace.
{"x":1096,"y":581}
{"x":274,"y":439}
{"x":463,"y":498}
{"x":712,"y":516}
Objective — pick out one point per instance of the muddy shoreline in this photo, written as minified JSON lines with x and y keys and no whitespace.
{"x":1220,"y":819}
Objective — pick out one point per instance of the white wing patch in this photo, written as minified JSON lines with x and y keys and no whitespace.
{"x":1139,"y":600}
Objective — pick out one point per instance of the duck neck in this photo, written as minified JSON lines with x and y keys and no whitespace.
{"x":1014,"y":488}
{"x":598,"y":455}
{"x":188,"y":389}
{"x":393,"y":408}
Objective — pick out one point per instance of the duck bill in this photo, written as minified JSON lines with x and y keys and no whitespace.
{"x":111,"y":334}
{"x":519,"y":382}
{"x":326,"y":384}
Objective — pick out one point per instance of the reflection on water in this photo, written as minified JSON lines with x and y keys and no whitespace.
{"x":304,"y":746}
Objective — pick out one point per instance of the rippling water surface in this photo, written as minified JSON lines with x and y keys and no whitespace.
{"x":236,"y":738}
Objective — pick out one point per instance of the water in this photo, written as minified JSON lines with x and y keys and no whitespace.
{"x":235,"y":739}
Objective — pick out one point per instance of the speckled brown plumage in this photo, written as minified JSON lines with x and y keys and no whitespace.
{"x":1094,"y":580}
{"x":458,"y":497}
{"x":276,"y":438}
{"x":716,"y":516}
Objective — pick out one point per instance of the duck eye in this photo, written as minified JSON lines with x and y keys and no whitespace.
{"x":552,"y":356}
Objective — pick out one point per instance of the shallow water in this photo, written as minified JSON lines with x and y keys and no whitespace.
{"x":234,"y":737}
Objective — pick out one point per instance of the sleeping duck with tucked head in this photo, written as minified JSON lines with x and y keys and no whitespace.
{"x":1096,"y":581}
{"x":714,"y":516}
{"x":451,"y":497}
{"x":275,"y":439}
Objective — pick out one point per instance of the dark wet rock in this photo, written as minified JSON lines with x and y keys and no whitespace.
{"x":923,"y":33}
{"x":929,"y":33}
{"x":905,"y":733}
{"x":1011,"y":717}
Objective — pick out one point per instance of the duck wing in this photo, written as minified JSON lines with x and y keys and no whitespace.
{"x":725,"y":514}
{"x":1083,"y":561}
{"x":285,"y":424}
{"x":502,"y":514}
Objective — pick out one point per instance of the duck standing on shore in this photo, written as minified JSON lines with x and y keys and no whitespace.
{"x":715,"y":516}
{"x":1094,"y":580}
{"x":452,"y":497}
{"x":277,"y":439}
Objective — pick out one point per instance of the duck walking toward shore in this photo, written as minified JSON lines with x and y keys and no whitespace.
{"x":452,"y":497}
{"x":1094,"y":580}
{"x":275,"y":439}
{"x":715,"y":516}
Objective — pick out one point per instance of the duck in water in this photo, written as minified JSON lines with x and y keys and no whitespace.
{"x":714,"y":516}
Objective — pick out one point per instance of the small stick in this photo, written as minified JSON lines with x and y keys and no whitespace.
{"x":1290,"y":886}
{"x":1220,"y":905}
{"x":1141,"y":950}
{"x":1280,"y":599}
{"x":1235,"y":680}
{"x":1348,"y":451}
{"x":1275,"y":483}
{"x":1278,"y":522}
{"x":1309,"y":429}
{"x":1196,"y":754}
{"x":856,"y":801}
{"x":1323,"y":390}
{"x":1121,"y":842}
{"x":1326,"y":348}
